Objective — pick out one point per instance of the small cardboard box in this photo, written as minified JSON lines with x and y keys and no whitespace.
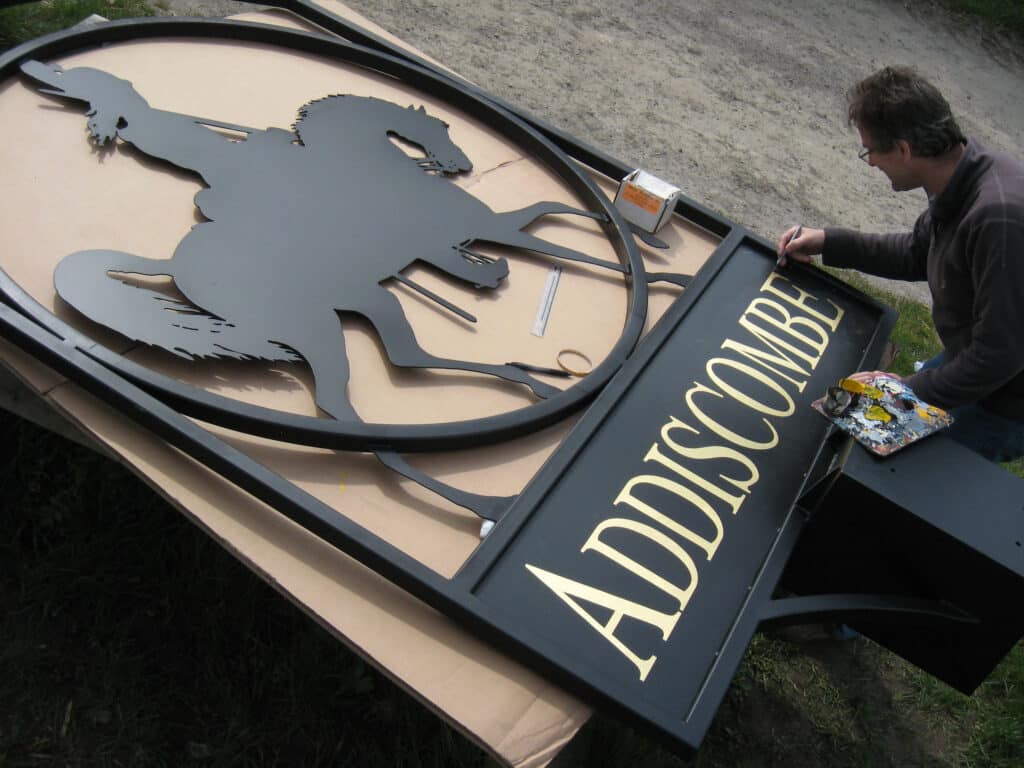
{"x":645,"y":200}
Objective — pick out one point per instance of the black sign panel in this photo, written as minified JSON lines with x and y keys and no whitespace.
{"x":637,"y":551}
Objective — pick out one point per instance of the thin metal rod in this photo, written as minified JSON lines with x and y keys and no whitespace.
{"x":434,"y":297}
{"x":220,"y":124}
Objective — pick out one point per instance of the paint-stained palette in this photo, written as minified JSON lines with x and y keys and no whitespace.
{"x":883,"y":414}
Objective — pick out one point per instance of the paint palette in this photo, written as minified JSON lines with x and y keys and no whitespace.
{"x":883,"y":414}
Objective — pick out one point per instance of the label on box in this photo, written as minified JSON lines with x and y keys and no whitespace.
{"x":642,"y":199}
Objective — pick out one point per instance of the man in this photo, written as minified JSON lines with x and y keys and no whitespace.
{"x":968,"y":245}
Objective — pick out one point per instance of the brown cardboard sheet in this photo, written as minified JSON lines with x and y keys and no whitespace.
{"x":63,"y":195}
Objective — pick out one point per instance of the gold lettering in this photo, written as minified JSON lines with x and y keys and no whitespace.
{"x":626,"y":497}
{"x":711,"y":452}
{"x":784,"y":338}
{"x":791,"y":325}
{"x":761,"y":357}
{"x":764,"y":335}
{"x":732,"y":500}
{"x":800,"y":300}
{"x":645,"y":573}
{"x":743,"y":397}
{"x":718,"y":429}
{"x":568,"y":591}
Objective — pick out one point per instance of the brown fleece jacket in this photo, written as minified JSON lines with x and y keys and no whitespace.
{"x":969,"y":246}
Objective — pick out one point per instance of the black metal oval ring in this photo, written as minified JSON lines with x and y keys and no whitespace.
{"x":330,"y":433}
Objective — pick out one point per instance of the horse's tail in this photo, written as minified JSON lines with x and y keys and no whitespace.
{"x":147,"y":315}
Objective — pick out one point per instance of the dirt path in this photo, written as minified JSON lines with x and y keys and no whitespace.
{"x":739,"y":103}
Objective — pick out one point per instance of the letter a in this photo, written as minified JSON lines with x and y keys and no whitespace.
{"x":568,"y":590}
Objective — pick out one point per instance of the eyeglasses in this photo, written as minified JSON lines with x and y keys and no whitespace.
{"x":865,"y":154}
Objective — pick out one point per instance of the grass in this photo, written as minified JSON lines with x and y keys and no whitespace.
{"x":130,"y":638}
{"x":24,"y":22}
{"x":127,"y":637}
{"x":1005,"y":14}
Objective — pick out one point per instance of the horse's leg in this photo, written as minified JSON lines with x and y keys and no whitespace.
{"x":523,"y":217}
{"x":478,"y":271}
{"x":487,"y":507}
{"x":519,"y":239}
{"x":323,"y":346}
{"x":506,"y":229}
{"x":318,"y":337}
{"x":404,"y":351}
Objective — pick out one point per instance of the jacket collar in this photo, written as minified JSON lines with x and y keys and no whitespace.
{"x":974,"y":161}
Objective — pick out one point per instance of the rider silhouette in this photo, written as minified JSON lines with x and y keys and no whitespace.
{"x":296,"y":230}
{"x":301,"y":226}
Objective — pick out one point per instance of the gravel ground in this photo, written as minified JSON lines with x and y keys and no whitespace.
{"x":739,"y":103}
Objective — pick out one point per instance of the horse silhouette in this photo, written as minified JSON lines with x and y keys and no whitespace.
{"x":302,"y":225}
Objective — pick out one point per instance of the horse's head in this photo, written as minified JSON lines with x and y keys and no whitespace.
{"x":337,"y":119}
{"x":431,"y":135}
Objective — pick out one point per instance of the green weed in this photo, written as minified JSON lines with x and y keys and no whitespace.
{"x":914,"y":334}
{"x":24,"y":22}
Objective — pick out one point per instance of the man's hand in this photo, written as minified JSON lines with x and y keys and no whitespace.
{"x":808,"y":243}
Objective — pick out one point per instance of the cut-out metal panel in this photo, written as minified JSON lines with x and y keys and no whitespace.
{"x":80,"y":275}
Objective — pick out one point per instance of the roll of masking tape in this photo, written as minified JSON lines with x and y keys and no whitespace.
{"x":574,"y":362}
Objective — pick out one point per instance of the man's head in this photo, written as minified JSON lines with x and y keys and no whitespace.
{"x":902,"y":118}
